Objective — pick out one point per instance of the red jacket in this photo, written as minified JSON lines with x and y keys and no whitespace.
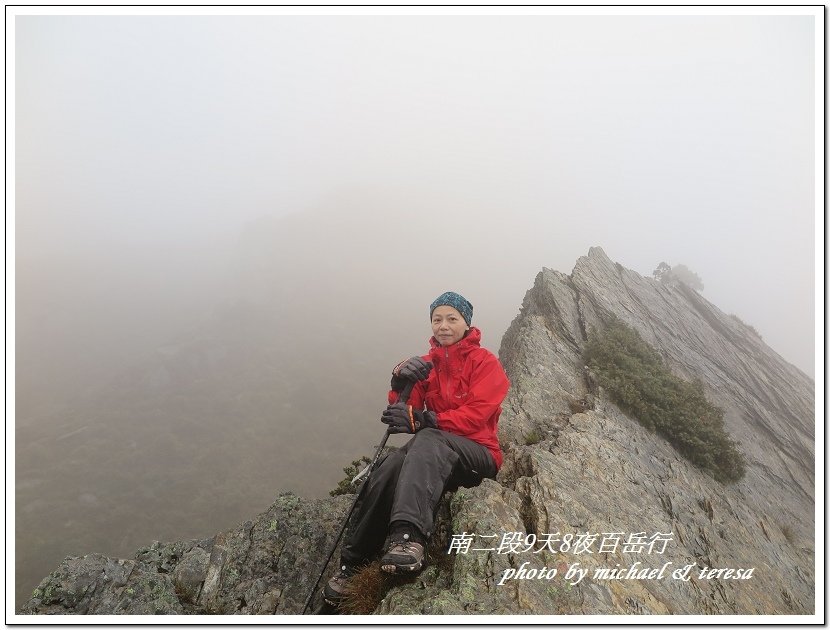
{"x":465,"y":389}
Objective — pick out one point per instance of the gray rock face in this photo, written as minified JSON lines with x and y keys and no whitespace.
{"x":575,"y":467}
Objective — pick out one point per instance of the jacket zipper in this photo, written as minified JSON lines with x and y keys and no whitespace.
{"x":448,"y":375}
{"x":444,"y":384}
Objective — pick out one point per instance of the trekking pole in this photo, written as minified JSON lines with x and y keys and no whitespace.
{"x":366,"y":474}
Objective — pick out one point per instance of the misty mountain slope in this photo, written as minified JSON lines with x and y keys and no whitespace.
{"x":273,"y":380}
{"x":574,"y":465}
{"x":768,"y":402}
{"x":192,"y":440}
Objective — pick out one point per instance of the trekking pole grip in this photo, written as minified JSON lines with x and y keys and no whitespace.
{"x":406,"y":391}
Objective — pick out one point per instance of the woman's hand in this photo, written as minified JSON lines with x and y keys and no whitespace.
{"x":402,"y":418}
{"x":414,"y":369}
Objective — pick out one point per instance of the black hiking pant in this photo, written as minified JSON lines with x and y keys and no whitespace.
{"x":407,"y":486}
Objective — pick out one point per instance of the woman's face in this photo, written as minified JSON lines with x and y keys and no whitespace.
{"x":448,"y":326}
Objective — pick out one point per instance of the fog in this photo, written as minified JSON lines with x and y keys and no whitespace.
{"x":228,"y":229}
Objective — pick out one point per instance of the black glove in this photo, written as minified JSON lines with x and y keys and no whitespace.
{"x":414,"y":370}
{"x":403,"y":418}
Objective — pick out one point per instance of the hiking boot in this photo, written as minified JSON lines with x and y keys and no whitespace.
{"x":337,"y":587}
{"x":403,"y":556}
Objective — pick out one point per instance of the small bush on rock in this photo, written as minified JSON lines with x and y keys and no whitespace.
{"x":345,"y":486}
{"x":637,"y":379}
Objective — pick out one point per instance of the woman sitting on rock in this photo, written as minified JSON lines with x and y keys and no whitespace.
{"x":453,"y":412}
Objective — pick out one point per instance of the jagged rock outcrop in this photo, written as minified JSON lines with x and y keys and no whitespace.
{"x":597,"y":470}
{"x":263,"y":566}
{"x":575,"y":466}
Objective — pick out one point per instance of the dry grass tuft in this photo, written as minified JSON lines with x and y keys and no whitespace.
{"x":366,"y":589}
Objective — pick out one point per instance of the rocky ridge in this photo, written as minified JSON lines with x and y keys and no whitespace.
{"x":575,"y":465}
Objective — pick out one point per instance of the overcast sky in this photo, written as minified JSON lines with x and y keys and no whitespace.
{"x":685,"y":139}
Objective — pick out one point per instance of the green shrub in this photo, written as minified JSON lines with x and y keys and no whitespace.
{"x":344,"y":486}
{"x":637,"y":379}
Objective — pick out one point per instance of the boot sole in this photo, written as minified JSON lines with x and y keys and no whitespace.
{"x":397,"y":568}
{"x":333,"y":601}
